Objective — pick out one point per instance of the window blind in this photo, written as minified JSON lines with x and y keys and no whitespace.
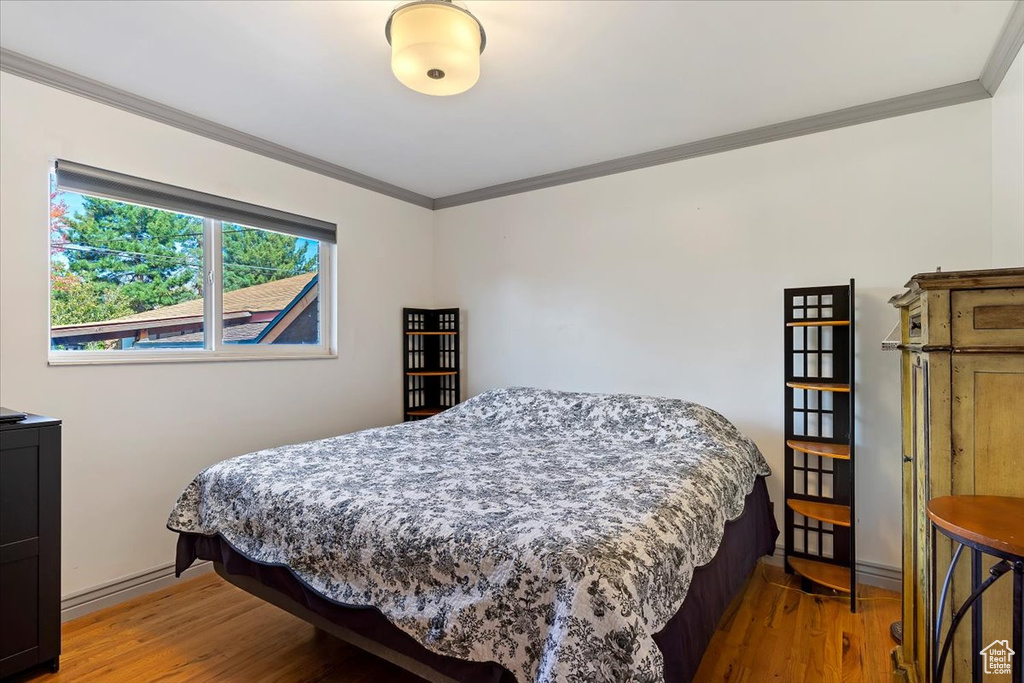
{"x":84,"y":179}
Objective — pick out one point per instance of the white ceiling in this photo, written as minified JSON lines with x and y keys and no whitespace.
{"x":562,"y":84}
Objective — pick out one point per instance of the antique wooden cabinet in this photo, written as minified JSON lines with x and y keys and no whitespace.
{"x":962,"y":346}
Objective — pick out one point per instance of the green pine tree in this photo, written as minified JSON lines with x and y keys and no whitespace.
{"x":114,"y":259}
{"x":252,"y":257}
{"x":152,"y":257}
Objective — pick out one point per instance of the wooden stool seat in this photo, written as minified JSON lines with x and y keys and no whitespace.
{"x":995,"y":522}
{"x":989,"y":524}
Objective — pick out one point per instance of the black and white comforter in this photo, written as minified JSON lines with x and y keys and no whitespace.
{"x":551,"y":532}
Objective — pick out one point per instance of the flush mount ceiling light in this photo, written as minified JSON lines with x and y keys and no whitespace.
{"x":435,"y":46}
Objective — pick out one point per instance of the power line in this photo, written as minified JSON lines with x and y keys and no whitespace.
{"x":172,"y":237}
{"x":200,"y":234}
{"x":184,"y":261}
{"x":121,"y":252}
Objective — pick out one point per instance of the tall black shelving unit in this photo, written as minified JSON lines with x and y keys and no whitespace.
{"x":431,"y":348}
{"x":820,"y":518}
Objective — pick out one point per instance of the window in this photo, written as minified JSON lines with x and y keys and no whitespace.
{"x":146,"y":271}
{"x":262,"y":264}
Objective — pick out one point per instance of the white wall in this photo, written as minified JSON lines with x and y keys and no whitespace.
{"x":669,"y":280}
{"x":665,"y":281}
{"x":135,"y":435}
{"x":1008,"y":168}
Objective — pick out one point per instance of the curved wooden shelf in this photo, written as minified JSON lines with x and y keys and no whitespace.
{"x":820,"y":386}
{"x":833,"y":576}
{"x":431,"y":373}
{"x":819,"y":323}
{"x":839,"y":451}
{"x":823,"y":512}
{"x":429,"y":334}
{"x":426,"y":412}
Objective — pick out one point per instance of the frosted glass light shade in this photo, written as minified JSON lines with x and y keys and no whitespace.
{"x":435,"y":47}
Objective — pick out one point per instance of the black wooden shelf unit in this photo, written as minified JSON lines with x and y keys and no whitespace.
{"x":820,"y":516}
{"x":431,"y":347}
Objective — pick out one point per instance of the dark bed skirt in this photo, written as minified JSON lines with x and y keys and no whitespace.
{"x":682,"y":642}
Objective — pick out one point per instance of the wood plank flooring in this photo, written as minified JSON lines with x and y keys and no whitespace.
{"x":207,"y":630}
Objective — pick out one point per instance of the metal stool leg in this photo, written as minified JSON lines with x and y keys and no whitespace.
{"x":1018,"y":621}
{"x":945,"y":591}
{"x":976,"y":617}
{"x":997,"y":571}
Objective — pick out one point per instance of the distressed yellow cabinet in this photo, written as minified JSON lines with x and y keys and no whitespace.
{"x":962,"y":346}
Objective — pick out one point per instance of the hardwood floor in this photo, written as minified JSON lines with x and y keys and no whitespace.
{"x":208,"y":630}
{"x":771,"y":633}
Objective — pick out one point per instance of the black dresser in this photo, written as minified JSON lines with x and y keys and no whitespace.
{"x":29,"y":544}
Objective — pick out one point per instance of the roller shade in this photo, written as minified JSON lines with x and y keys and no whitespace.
{"x":74,"y":177}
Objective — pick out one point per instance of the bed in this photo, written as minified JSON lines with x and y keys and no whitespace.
{"x":524,"y":535}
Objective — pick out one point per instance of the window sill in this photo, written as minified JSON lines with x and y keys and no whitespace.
{"x":141,"y":358}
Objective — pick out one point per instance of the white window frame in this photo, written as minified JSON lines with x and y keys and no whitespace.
{"x":214,"y":347}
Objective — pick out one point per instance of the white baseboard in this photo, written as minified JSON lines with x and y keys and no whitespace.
{"x":870,"y":573}
{"x":83,"y":602}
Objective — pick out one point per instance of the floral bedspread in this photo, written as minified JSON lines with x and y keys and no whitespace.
{"x":554,"y":533}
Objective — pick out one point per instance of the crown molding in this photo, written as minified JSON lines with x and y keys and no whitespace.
{"x":18,"y":64}
{"x":851,"y":116}
{"x":1005,"y":51}
{"x":1003,"y":54}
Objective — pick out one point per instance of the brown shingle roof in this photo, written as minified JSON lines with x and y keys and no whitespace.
{"x":232,"y":333}
{"x":269,"y":296}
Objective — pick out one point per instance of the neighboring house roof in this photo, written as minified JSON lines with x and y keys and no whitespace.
{"x":232,"y":333}
{"x":269,"y":296}
{"x":257,"y":332}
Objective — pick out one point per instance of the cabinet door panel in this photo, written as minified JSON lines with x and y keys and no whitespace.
{"x":19,"y":628}
{"x":19,"y":494}
{"x":988,"y":434}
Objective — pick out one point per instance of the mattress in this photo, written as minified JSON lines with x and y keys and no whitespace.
{"x":555,"y":534}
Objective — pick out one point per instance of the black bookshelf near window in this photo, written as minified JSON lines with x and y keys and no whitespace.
{"x":29,"y":543}
{"x":820,"y":518}
{"x":431,"y":347}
